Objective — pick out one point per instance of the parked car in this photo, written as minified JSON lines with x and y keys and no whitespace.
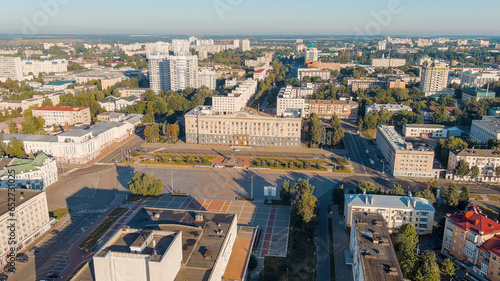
{"x":53,"y":275}
{"x":54,"y":232}
{"x":34,"y":250}
{"x":4,"y":277}
{"x":22,"y":257}
{"x":9,"y":270}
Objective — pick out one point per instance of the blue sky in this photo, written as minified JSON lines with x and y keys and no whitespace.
{"x":252,"y":17}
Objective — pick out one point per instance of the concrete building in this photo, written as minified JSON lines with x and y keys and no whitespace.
{"x":290,"y":98}
{"x":396,"y":210}
{"x":236,"y":100}
{"x":312,"y":73}
{"x":494,"y":111}
{"x":393,"y":83}
{"x":311,"y":54}
{"x":392,"y":108}
{"x":260,"y":63}
{"x":108,"y":77}
{"x":207,"y":77}
{"x":241,"y":128}
{"x":484,"y":130}
{"x":36,"y":174}
{"x":369,"y":238}
{"x":488,"y":264}
{"x":32,"y":219}
{"x":428,"y":113}
{"x":180,"y":46}
{"x":5,"y":127}
{"x":112,"y":103}
{"x":434,"y":78}
{"x":388,"y":62}
{"x":79,"y":146}
{"x":139,"y":93}
{"x":473,"y":77}
{"x":323,"y":65}
{"x":476,"y":94}
{"x":464,"y":232}
{"x":173,"y":73}
{"x":48,"y":66}
{"x":480,"y":43}
{"x":343,"y":109}
{"x":25,"y":104}
{"x":61,"y":115}
{"x":11,"y":68}
{"x":365,"y":84}
{"x":487,"y":160}
{"x":425,"y":131}
{"x":405,"y":159}
{"x":260,"y":75}
{"x":245,"y":45}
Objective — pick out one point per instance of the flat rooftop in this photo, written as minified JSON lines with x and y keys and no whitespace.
{"x":430,"y":126}
{"x":478,"y":152}
{"x":378,"y":258}
{"x":27,"y":193}
{"x":389,"y":201}
{"x":493,"y":124}
{"x":397,"y":141}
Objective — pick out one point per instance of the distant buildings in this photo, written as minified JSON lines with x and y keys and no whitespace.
{"x":61,"y":115}
{"x":112,"y":103}
{"x":207,"y":77}
{"x":25,"y":104}
{"x":241,"y":129}
{"x":311,"y":54}
{"x":245,"y":45}
{"x":139,"y":93}
{"x":236,"y":100}
{"x":392,"y":108}
{"x":30,"y":224}
{"x":365,"y":83}
{"x":476,"y":94}
{"x":36,"y":174}
{"x":180,"y":46}
{"x":478,"y":78}
{"x":428,"y":113}
{"x":11,"y":68}
{"x":487,"y":160}
{"x":480,"y":43}
{"x":484,"y":130}
{"x":343,"y":109}
{"x":173,"y":73}
{"x":48,"y":66}
{"x":107,"y":77}
{"x":312,"y":73}
{"x":405,"y":159}
{"x":388,"y":62}
{"x":396,"y":210}
{"x":425,"y":130}
{"x":434,"y":78}
{"x":465,"y":232}
{"x":369,"y":238}
{"x":323,"y":65}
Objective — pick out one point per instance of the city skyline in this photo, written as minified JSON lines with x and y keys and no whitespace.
{"x":223,"y":17}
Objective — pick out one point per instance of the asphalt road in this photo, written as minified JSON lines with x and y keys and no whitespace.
{"x":117,"y":155}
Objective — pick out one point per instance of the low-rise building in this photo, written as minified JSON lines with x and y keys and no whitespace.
{"x":428,"y":112}
{"x":5,"y":126}
{"x":484,"y":130}
{"x":133,"y":92}
{"x":245,"y":128}
{"x":369,"y":238}
{"x":236,"y":100}
{"x":365,"y":83}
{"x":32,"y":219}
{"x":396,"y":210}
{"x":37,"y":173}
{"x":425,"y":131}
{"x":388,"y":62}
{"x":487,"y":160}
{"x":112,"y":103}
{"x":392,"y":108}
{"x":464,"y":232}
{"x":312,"y":73}
{"x":476,"y":94}
{"x":343,"y":109}
{"x":61,"y":115}
{"x":108,"y":77}
{"x":405,"y":159}
{"x":395,"y":84}
{"x":260,"y":75}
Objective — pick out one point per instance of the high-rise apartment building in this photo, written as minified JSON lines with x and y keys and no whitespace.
{"x":10,"y":67}
{"x":207,"y":77}
{"x":47,"y":66}
{"x":312,"y":54}
{"x":434,"y":78}
{"x":245,"y":45}
{"x":173,"y":73}
{"x":181,"y":47}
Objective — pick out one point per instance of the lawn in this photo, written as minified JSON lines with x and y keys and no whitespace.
{"x":493,"y":197}
{"x":477,"y":197}
{"x":288,"y":164}
{"x":59,"y":213}
{"x":370,"y":134}
{"x":179,"y":160}
{"x":300,"y":262}
{"x":93,"y":238}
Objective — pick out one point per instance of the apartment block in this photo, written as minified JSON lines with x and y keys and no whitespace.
{"x":48,"y":66}
{"x":32,"y":219}
{"x":343,"y":109}
{"x":404,"y":158}
{"x":312,"y":54}
{"x":260,"y":75}
{"x":434,"y":78}
{"x":36,"y":174}
{"x":27,"y":103}
{"x":246,"y":128}
{"x":395,"y":210}
{"x":139,"y":93}
{"x":464,"y":232}
{"x":207,"y":77}
{"x":61,"y":115}
{"x":365,"y":83}
{"x":245,"y":45}
{"x":173,"y":73}
{"x":236,"y":100}
{"x":312,"y":73}
{"x":484,"y":130}
{"x":425,"y":131}
{"x":11,"y":68}
{"x":392,"y":108}
{"x":487,"y":160}
{"x":388,"y":62}
{"x":370,"y":237}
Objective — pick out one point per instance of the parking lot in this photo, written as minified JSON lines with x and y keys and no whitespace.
{"x":273,"y":221}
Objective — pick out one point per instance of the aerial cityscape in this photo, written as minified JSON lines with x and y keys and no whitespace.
{"x":230,"y":140}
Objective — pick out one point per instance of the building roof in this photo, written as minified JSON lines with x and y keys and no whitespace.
{"x":478,"y":152}
{"x":96,"y":129}
{"x":238,"y":261}
{"x":378,"y":258}
{"x":21,"y":166}
{"x":398,"y":143}
{"x":472,"y":219}
{"x":60,"y":83}
{"x":389,"y":106}
{"x":389,"y":201}
{"x":433,"y":126}
{"x":346,"y":102}
{"x":4,"y":198}
{"x":434,"y":108}
{"x":492,"y":124}
{"x":60,"y":108}
{"x":492,"y":246}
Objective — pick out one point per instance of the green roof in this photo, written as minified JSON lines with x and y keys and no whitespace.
{"x":28,"y":165}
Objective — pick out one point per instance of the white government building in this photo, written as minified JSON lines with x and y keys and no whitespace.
{"x":37,"y":173}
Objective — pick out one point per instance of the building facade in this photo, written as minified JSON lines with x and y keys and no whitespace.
{"x":487,"y":160}
{"x":312,"y":73}
{"x":139,"y":93}
{"x":112,"y":103}
{"x":241,"y":129}
{"x":245,"y":45}
{"x":388,"y":62}
{"x":365,"y":84}
{"x":343,"y":109}
{"x":36,"y":174}
{"x":484,"y":130}
{"x":392,"y":108}
{"x":476,"y":94}
{"x":236,"y":100}
{"x":434,"y":78}
{"x":61,"y":115}
{"x":425,"y":131}
{"x":48,"y":66}
{"x":173,"y":73}
{"x":207,"y":77}
{"x":403,"y":158}
{"x":11,"y":68}
{"x":311,"y":54}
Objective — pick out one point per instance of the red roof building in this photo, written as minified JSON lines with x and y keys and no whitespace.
{"x":489,"y":259}
{"x":466,"y":231}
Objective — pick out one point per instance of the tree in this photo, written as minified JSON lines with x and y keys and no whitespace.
{"x":338,"y":132}
{"x":398,"y":190}
{"x":366,"y":185}
{"x":445,"y":145}
{"x":15,"y":148}
{"x":304,"y":203}
{"x":474,"y":173}
{"x":433,"y":186}
{"x":427,"y":194}
{"x":464,"y":195}
{"x":285,"y":193}
{"x":252,"y":263}
{"x":145,"y":185}
{"x":462,"y":169}
{"x":405,"y":243}
{"x":427,"y":268}
{"x":338,"y":196}
{"x":315,"y":129}
{"x":447,"y":268}
{"x":152,"y":132}
{"x":452,"y":196}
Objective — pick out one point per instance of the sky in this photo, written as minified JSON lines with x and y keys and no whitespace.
{"x":252,"y":17}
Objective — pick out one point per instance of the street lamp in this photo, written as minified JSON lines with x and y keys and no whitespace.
{"x":252,"y":174}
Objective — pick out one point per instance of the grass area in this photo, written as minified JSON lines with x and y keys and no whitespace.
{"x":59,"y":213}
{"x":287,"y":164}
{"x":489,"y":212}
{"x":91,"y":241}
{"x":300,"y":261}
{"x":370,"y":134}
{"x":133,"y":197}
{"x":477,"y":197}
{"x":493,"y":197}
{"x":340,"y":170}
{"x":331,"y":250}
{"x":135,"y":153}
{"x":179,"y":159}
